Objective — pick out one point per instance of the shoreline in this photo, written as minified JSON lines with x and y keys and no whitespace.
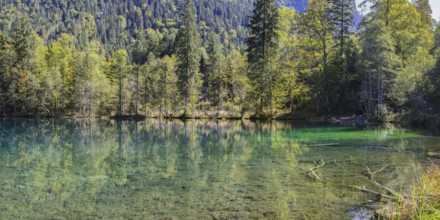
{"x":281,"y":117}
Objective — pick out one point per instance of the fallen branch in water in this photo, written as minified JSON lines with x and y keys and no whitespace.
{"x":312,"y":170}
{"x":324,"y":145}
{"x":318,"y":165}
{"x":390,"y":191}
{"x":370,"y":175}
{"x":363,"y":189}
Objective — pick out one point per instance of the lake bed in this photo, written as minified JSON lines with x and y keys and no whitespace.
{"x":199,"y":169}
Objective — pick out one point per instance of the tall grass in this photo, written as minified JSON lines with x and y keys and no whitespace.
{"x":426,"y":198}
{"x":423,"y":204}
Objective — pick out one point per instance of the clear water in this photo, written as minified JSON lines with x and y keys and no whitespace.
{"x":93,"y":169}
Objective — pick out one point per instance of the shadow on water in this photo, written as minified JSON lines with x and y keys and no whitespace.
{"x":193,"y":169}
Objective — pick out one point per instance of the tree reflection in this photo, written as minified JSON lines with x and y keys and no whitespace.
{"x":165,"y":169}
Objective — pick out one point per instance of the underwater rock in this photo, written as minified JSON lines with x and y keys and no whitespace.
{"x":361,"y":214}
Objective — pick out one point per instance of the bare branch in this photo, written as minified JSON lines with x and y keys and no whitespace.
{"x":389,"y":190}
{"x":371,"y":174}
{"x":317,"y":166}
{"x":363,"y":189}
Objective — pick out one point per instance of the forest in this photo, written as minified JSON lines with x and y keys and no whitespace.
{"x":219,"y":59}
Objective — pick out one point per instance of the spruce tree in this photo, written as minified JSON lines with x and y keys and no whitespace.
{"x":217,"y":82}
{"x":188,"y":55}
{"x":23,"y":45}
{"x":117,"y":74}
{"x":261,"y":52}
{"x":341,"y":21}
{"x":380,"y":64}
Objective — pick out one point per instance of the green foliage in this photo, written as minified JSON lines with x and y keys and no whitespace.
{"x":217,"y":80}
{"x":168,"y":58}
{"x":117,"y":74}
{"x":188,"y":55}
{"x":380,"y":64}
{"x":262,"y":52}
{"x":118,"y":23}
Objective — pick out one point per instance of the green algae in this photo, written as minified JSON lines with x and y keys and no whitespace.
{"x":57,"y":169}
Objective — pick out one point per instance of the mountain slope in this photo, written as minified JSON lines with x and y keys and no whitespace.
{"x":117,"y":23}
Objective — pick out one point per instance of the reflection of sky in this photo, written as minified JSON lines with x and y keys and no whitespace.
{"x":435,"y":5}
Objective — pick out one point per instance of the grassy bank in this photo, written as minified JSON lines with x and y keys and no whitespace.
{"x":422,"y":204}
{"x":426,"y":199}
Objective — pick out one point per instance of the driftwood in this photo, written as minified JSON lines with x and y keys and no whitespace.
{"x":324,"y":145}
{"x":370,"y":175}
{"x":363,"y":189}
{"x":318,"y":165}
{"x":390,"y":193}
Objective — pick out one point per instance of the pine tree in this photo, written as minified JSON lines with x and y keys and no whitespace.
{"x":117,"y":74}
{"x":380,"y":64}
{"x":217,"y":81}
{"x":24,"y":50}
{"x":261,"y":52}
{"x":341,"y":21}
{"x":188,"y":55}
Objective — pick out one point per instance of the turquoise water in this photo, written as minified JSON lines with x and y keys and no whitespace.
{"x":101,"y":169}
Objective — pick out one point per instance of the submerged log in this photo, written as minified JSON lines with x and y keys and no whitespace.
{"x":312,"y":170}
{"x":364,"y":189}
{"x":324,"y":145}
{"x":370,"y":174}
{"x":318,"y":164}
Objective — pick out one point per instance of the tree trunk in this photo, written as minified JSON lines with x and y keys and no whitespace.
{"x":91,"y":104}
{"x":379,"y":87}
{"x":121,"y":86}
{"x":166,"y":93}
{"x":137,"y":92}
{"x":342,"y":31}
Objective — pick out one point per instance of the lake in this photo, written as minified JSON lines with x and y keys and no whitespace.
{"x":197,"y":169}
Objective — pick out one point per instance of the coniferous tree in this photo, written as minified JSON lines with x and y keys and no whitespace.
{"x":217,"y":82}
{"x":117,"y":74}
{"x":261,"y":51}
{"x":6,"y":61}
{"x":24,"y":57}
{"x":188,"y":55}
{"x":204,"y":70}
{"x":380,"y":68}
{"x":341,"y":21}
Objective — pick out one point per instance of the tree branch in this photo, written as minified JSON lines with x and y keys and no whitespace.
{"x":363,"y":189}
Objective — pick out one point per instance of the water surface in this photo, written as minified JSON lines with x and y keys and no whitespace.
{"x":98,"y":169}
